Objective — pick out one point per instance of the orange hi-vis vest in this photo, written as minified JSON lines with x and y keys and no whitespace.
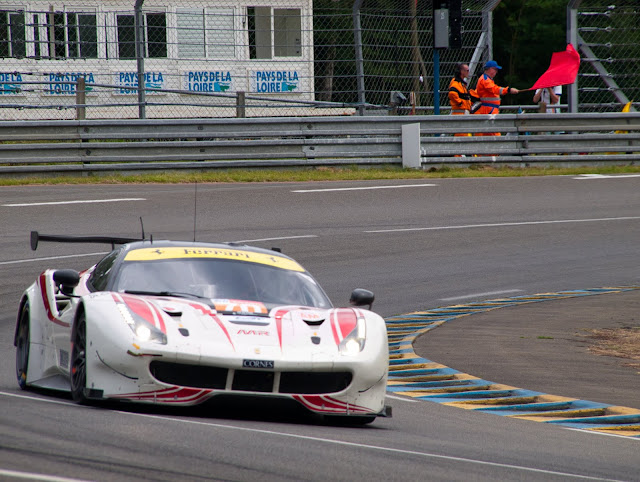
{"x":460,"y":96}
{"x":489,"y":94}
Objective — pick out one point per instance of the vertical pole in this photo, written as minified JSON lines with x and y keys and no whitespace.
{"x":487,"y":21}
{"x":572,"y":38}
{"x":436,"y":81}
{"x":240,"y":105}
{"x":81,"y":99}
{"x":139,"y":39}
{"x":357,"y":38}
{"x":487,"y":26}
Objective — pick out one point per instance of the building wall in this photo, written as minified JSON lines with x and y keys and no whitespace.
{"x":198,"y":55}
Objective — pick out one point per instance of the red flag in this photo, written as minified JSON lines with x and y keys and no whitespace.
{"x":562,"y":70}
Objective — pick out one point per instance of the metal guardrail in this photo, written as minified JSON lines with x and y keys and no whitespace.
{"x":34,"y":147}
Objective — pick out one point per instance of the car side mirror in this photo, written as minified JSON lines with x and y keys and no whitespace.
{"x":66,"y":280}
{"x":361,"y":297}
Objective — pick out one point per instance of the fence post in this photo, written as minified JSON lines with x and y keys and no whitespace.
{"x":139,"y":39}
{"x":572,"y":38}
{"x":81,"y":99}
{"x":240,"y":105}
{"x":357,"y":36}
{"x":436,"y":81}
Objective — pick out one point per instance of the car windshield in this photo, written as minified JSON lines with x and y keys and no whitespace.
{"x":219,"y":279}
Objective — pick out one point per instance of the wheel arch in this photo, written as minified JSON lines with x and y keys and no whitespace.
{"x":36,"y":329}
{"x":23,"y":302}
{"x":81,"y":310}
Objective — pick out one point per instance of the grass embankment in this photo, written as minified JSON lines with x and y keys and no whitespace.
{"x":315,"y":174}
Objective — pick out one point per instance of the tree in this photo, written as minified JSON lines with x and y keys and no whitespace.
{"x":525,"y":35}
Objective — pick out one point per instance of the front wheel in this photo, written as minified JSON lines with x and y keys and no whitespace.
{"x":79,"y":361}
{"x":23,"y":343}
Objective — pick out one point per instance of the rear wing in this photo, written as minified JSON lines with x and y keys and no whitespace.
{"x":37,"y":237}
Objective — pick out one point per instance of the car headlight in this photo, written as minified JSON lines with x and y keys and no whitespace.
{"x":142,"y":329}
{"x":353,"y":343}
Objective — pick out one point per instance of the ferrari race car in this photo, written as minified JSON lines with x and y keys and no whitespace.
{"x":177,"y":323}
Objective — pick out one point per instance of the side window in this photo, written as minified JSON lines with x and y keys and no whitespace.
{"x":100,"y":276}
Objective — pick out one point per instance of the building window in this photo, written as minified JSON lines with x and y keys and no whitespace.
{"x":75,"y":35}
{"x":126,"y":36}
{"x":220,"y":33}
{"x":190,"y":29}
{"x":206,"y":33}
{"x":259,"y":26}
{"x":154,"y":35}
{"x":156,"y":30}
{"x":40,"y":48}
{"x":286,"y":32}
{"x":12,"y":34}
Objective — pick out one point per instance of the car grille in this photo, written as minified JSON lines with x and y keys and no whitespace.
{"x":189,"y":375}
{"x":312,"y":382}
{"x":199,"y":376}
{"x":252,"y":381}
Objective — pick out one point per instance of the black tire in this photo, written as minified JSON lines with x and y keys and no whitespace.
{"x":78,"y":375}
{"x":23,"y":344}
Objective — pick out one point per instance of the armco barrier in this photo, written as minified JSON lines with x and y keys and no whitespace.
{"x":32,"y":147}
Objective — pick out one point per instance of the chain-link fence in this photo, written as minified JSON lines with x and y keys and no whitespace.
{"x":208,"y":58}
{"x":608,"y":38}
{"x":366,"y":52}
{"x":399,"y":55}
{"x":195,"y":57}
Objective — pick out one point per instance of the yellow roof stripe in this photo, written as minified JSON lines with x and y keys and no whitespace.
{"x":179,"y":252}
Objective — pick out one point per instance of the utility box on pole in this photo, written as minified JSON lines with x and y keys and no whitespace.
{"x":440,"y":26}
{"x":447,"y":24}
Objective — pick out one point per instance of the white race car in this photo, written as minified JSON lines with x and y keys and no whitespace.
{"x":178,"y":323}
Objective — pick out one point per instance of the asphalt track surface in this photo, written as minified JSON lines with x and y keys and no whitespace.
{"x":417,"y":245}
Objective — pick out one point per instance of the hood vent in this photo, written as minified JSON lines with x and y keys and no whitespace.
{"x":313,"y":318}
{"x":313,"y":322}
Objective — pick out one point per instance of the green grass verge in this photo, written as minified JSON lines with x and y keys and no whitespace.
{"x":314,"y":174}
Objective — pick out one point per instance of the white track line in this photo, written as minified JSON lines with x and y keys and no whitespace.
{"x":480,"y":295}
{"x":276,"y":239}
{"x":329,"y":441}
{"x":33,"y":260}
{"x":403,"y":399}
{"x":605,"y":176}
{"x":13,"y":474}
{"x":497,"y":225}
{"x":371,"y":447}
{"x":87,"y":201}
{"x":364,"y":188}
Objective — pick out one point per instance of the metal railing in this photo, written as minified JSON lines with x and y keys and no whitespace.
{"x":89,"y":146}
